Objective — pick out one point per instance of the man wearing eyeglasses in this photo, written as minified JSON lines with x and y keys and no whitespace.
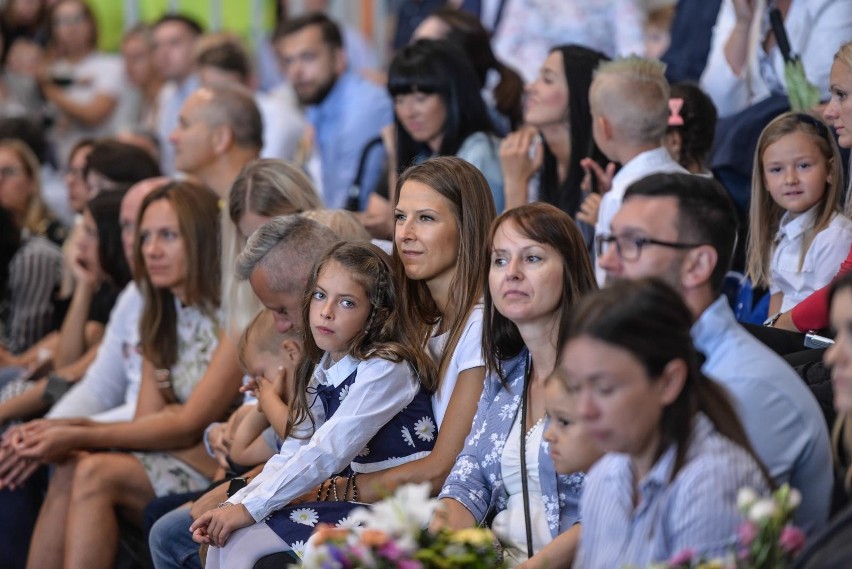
{"x":682,"y":229}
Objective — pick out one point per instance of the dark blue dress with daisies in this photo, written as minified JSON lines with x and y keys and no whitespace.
{"x":410,"y":435}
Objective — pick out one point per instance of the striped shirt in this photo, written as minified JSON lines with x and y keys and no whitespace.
{"x":696,"y":510}
{"x":34,"y":275}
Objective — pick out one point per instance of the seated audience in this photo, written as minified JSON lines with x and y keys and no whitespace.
{"x":539,"y":269}
{"x":189,"y":378}
{"x":798,"y":235}
{"x":682,"y":229}
{"x":677,"y":451}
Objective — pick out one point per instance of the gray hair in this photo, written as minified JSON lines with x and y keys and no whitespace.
{"x":286,"y":246}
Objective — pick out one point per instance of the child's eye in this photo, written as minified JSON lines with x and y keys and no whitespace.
{"x":424,"y":217}
{"x":318,"y":295}
{"x":805,"y":165}
{"x":346,"y":303}
{"x":773,"y":169}
{"x":605,"y":389}
{"x":399,"y":217}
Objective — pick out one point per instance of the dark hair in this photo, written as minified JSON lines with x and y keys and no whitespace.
{"x":105,"y":208}
{"x":10,"y":242}
{"x":27,"y":131}
{"x":705,"y":214}
{"x":197,"y":210}
{"x":121,"y":162}
{"x":468,"y":33}
{"x":579,"y":64}
{"x":330,"y":30}
{"x":699,"y":123}
{"x":189,"y":22}
{"x":648,"y":319}
{"x":228,"y":55}
{"x":472,"y":205}
{"x":388,"y":334}
{"x":548,"y":225}
{"x":438,"y":67}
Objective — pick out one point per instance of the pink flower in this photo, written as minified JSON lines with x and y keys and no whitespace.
{"x":391,"y":551}
{"x":747,"y":532}
{"x":682,"y":557}
{"x":409,"y":564}
{"x":792,"y":539}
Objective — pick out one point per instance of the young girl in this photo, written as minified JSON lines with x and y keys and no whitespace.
{"x":798,"y":236}
{"x":692,"y":127}
{"x":677,"y":452}
{"x":362,"y":398}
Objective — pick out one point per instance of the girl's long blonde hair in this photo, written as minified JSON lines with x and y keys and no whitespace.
{"x":765,"y":215}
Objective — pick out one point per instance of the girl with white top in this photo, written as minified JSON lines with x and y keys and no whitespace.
{"x":677,"y":453}
{"x":361,"y":404}
{"x":797,"y":233}
{"x":539,"y":269}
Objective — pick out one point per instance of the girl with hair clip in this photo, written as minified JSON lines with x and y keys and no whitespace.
{"x":361,"y":404}
{"x":539,"y":270}
{"x":501,"y":86}
{"x":798,"y":235}
{"x":559,"y":133}
{"x":439,"y":112}
{"x":832,"y":547}
{"x":677,"y":453}
{"x":692,"y":127}
{"x":188,"y":381}
{"x":262,"y":190}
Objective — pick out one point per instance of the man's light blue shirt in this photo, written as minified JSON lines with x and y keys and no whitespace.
{"x":353,"y":113}
{"x":779,"y":413}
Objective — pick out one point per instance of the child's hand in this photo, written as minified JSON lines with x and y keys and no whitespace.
{"x":267,"y":393}
{"x":604,"y":177}
{"x":215,"y":526}
{"x":589,"y":209}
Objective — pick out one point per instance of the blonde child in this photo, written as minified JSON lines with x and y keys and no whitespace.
{"x":362,"y":393}
{"x":797,"y":233}
{"x":271,"y":359}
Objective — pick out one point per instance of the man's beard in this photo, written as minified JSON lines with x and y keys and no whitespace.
{"x":320,"y":94}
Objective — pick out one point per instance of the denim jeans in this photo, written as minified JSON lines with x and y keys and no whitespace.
{"x":171,"y":542}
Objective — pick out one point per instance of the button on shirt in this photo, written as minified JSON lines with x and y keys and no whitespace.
{"x":781,"y":417}
{"x":353,"y":113}
{"x":697,"y":509}
{"x":827,"y":251}
{"x":657,"y":161}
{"x":382,"y":389}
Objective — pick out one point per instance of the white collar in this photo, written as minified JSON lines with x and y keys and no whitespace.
{"x":335,"y":373}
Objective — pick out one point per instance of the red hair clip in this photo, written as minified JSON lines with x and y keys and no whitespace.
{"x":675,"y":105}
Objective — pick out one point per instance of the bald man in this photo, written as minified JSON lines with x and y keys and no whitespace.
{"x":219,"y":131}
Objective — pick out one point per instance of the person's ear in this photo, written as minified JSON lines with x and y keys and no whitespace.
{"x":222,"y":138}
{"x":671,"y":381}
{"x":698,"y":266}
{"x":673,"y":141}
{"x":291,"y":351}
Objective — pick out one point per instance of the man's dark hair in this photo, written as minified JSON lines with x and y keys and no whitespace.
{"x":705,"y":214}
{"x":330,"y":30}
{"x":191,"y":23}
{"x":227,"y":56}
{"x":121,"y":162}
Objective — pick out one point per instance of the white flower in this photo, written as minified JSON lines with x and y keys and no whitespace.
{"x":364,"y":452}
{"x":298,"y":548}
{"x":761,"y":510}
{"x":304,"y":516}
{"x":402,"y":515}
{"x":344,"y":392}
{"x":745,"y":498}
{"x":406,"y":436}
{"x":425,"y":429}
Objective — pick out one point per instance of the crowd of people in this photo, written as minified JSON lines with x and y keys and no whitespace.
{"x":522,"y":265}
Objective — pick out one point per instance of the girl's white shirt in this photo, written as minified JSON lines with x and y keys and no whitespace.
{"x":821,"y":262}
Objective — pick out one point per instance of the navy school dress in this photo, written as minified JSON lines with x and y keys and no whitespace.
{"x":409,"y":436}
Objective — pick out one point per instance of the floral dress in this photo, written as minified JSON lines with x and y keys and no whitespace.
{"x":410,"y":435}
{"x":198,"y":337}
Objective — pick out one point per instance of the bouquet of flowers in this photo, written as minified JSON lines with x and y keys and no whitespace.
{"x":765,"y":540}
{"x":391,"y":535}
